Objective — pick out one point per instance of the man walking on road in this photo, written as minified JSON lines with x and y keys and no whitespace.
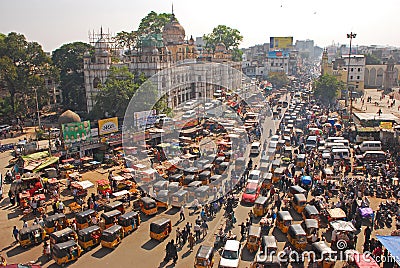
{"x":15,"y":233}
{"x":182,"y":214}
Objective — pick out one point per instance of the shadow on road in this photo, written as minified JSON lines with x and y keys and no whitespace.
{"x":101,"y":252}
{"x":16,"y":251}
{"x":247,"y":255}
{"x":13,"y":215}
{"x":151,"y":244}
{"x":172,"y":211}
{"x":280,"y":237}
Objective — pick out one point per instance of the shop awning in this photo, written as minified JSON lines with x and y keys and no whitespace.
{"x":120,"y":193}
{"x":391,"y":243}
{"x":118,"y":178}
{"x":82,"y":184}
{"x":68,"y":160}
{"x":49,"y":161}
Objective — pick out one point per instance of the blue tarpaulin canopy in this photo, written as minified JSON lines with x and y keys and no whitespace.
{"x":306,"y":180}
{"x":391,"y":243}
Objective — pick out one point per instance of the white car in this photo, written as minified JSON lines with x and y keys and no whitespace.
{"x":208,"y":106}
{"x":230,"y":256}
{"x":189,"y":114}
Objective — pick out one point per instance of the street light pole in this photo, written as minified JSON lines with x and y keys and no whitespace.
{"x":37,"y":107}
{"x":351,"y":35}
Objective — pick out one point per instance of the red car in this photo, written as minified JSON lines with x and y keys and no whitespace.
{"x":251,"y":193}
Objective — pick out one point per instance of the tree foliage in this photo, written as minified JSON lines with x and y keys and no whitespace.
{"x":326,"y":88}
{"x":230,"y":37}
{"x":153,"y":23}
{"x":69,"y":61}
{"x":126,"y":40}
{"x":278,"y":80}
{"x":371,"y":59}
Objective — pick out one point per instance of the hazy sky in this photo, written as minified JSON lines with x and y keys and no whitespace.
{"x":56,"y":22}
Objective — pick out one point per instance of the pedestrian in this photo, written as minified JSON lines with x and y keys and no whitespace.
{"x":204,"y":228}
{"x":174,"y":252}
{"x":178,"y":235}
{"x":167,"y":252}
{"x":196,"y":229}
{"x":182,"y":214}
{"x":242,"y":230}
{"x":25,"y":224}
{"x":191,"y":241}
{"x":15,"y":233}
{"x":184,"y":236}
{"x":367,"y":234}
{"x":188,"y":226}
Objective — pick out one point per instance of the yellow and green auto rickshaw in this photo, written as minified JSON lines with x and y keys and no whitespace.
{"x":260,"y":206}
{"x":202,"y":193}
{"x":301,"y":160}
{"x":324,"y":255}
{"x":205,"y":176}
{"x":284,"y":220}
{"x":179,"y":198}
{"x":297,"y":236}
{"x":130,"y":221}
{"x":112,"y":236}
{"x":311,"y":212}
{"x":299,"y":202}
{"x":31,"y":235}
{"x":148,"y":206}
{"x":311,"y":228}
{"x":253,"y":238}
{"x":204,"y":257}
{"x":295,"y":189}
{"x":89,"y":237}
{"x":55,"y":222}
{"x":269,"y":246}
{"x":162,"y":199}
{"x":62,"y":236}
{"x":266,"y":180}
{"x":66,"y":252}
{"x":160,"y":229}
{"x":109,"y":218}
{"x":84,"y":218}
{"x":278,"y":173}
{"x":116,"y":205}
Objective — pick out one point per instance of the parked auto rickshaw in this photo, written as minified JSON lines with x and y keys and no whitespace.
{"x":299,"y":202}
{"x":204,"y":257}
{"x":268,"y":245}
{"x":130,"y":221}
{"x":311,"y":227}
{"x":173,"y":186}
{"x":202,"y":193}
{"x":148,"y":206}
{"x":295,"y":189}
{"x":215,"y":177}
{"x":116,"y":205}
{"x":342,"y":231}
{"x":54,"y":221}
{"x":188,"y":179}
{"x":160,"y":229}
{"x":112,"y":236}
{"x":275,"y":164}
{"x":327,"y":174}
{"x":84,"y":218}
{"x":62,"y":236}
{"x":162,"y":199}
{"x":179,"y":199}
{"x":266,"y":180}
{"x":260,"y":206}
{"x":160,"y":185}
{"x":297,"y":236}
{"x":240,"y":164}
{"x":176,"y":178}
{"x":31,"y":235}
{"x":89,"y":237}
{"x":109,"y":218}
{"x":301,"y":160}
{"x":311,"y":212}
{"x":323,"y":254}
{"x":287,"y":152}
{"x":278,"y":173}
{"x":66,"y":252}
{"x":253,"y":238}
{"x":221,"y":168}
{"x":265,"y":261}
{"x":205,"y":176}
{"x":284,"y":220}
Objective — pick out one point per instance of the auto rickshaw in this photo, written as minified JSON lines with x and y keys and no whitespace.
{"x":301,"y":160}
{"x":278,"y":173}
{"x":176,"y":178}
{"x":266,"y":261}
{"x":215,"y":177}
{"x":327,"y":174}
{"x":268,"y":245}
{"x":179,"y":199}
{"x":204,"y":257}
{"x":66,"y":252}
{"x":83,"y":219}
{"x":240,"y":164}
{"x":342,"y":231}
{"x":202,"y":193}
{"x":284,"y":220}
{"x":311,"y":212}
{"x":160,"y":185}
{"x":116,"y":205}
{"x":112,"y":236}
{"x":323,"y":254}
{"x":221,"y":168}
{"x":295,"y":189}
{"x":130,"y":221}
{"x":109,"y":218}
{"x":253,"y":238}
{"x":54,"y":221}
{"x":287,"y":152}
{"x":275,"y":164}
{"x":205,"y":176}
{"x":188,"y":179}
{"x":266,"y":180}
{"x":148,"y":206}
{"x":265,"y":167}
{"x":62,"y":236}
{"x":31,"y":235}
{"x":311,"y":227}
{"x":160,"y":229}
{"x":260,"y":206}
{"x":297,"y":236}
{"x":89,"y":237}
{"x":335,"y":214}
{"x":162,"y":199}
{"x":173,"y":186}
{"x":299,"y":202}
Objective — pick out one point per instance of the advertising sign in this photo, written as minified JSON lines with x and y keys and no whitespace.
{"x":109,"y":125}
{"x":76,"y":132}
{"x":386,"y":125}
{"x":145,"y":118}
{"x":281,"y":42}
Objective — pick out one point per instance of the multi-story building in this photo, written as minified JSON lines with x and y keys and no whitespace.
{"x":277,"y":62}
{"x":305,"y":48}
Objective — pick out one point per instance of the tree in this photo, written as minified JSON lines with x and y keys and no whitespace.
{"x":230,"y":37}
{"x":153,"y":23}
{"x":23,"y":67}
{"x":278,"y":80}
{"x":69,"y":61}
{"x":371,"y":59}
{"x":326,"y":88}
{"x":126,"y":40}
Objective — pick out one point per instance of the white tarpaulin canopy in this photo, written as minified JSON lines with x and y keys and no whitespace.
{"x":120,"y":193}
{"x":83,"y":184}
{"x":343,"y":226}
{"x":118,"y":178}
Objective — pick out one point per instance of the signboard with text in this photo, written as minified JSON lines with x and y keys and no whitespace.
{"x":108,"y":125}
{"x":76,"y":132}
{"x":281,"y":42}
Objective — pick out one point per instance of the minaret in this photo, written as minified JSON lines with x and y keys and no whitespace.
{"x":324,"y":62}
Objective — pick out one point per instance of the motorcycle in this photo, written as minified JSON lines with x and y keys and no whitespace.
{"x":220,"y":240}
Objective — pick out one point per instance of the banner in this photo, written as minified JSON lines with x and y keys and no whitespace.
{"x":76,"y":132}
{"x":386,"y":125}
{"x":144,"y":118}
{"x":109,"y":125}
{"x":281,"y":42}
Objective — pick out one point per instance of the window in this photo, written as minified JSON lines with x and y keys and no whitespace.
{"x":359,"y":69}
{"x":358,"y":77}
{"x":351,"y":77}
{"x":356,"y":86}
{"x":352,"y":69}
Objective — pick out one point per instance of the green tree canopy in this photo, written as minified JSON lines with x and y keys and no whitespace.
{"x":371,"y":59}
{"x":153,"y":23}
{"x":126,"y":40}
{"x":326,"y":88}
{"x":230,"y":37}
{"x":69,"y":61}
{"x":278,"y":80}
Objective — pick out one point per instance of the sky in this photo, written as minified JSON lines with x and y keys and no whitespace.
{"x":52,"y":23}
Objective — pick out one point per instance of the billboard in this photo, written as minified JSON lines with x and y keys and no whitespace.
{"x":145,"y":118}
{"x":386,"y":125}
{"x":76,"y":132}
{"x":281,"y":42}
{"x":108,"y":125}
